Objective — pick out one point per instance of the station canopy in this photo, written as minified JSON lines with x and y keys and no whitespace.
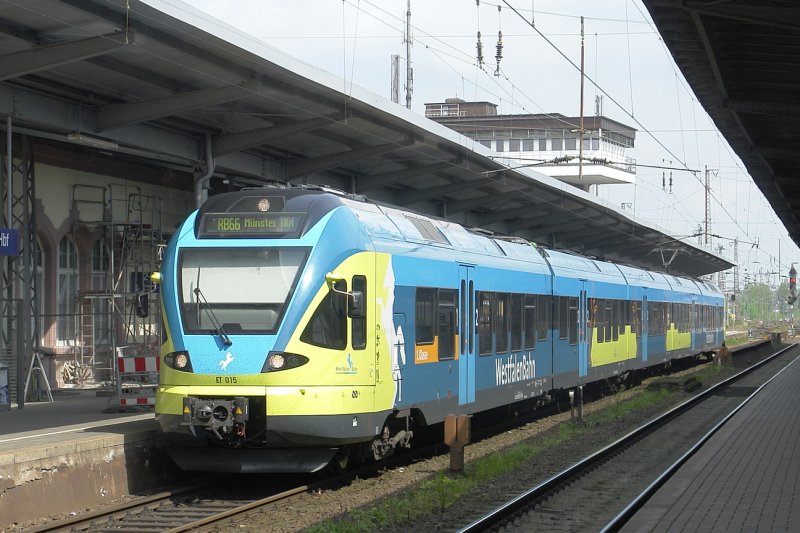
{"x":741,"y":60}
{"x":158,"y":91}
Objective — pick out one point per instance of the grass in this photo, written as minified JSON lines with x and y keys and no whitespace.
{"x":436,"y":494}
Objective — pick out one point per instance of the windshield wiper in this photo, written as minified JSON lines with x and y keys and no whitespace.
{"x":214,"y":322}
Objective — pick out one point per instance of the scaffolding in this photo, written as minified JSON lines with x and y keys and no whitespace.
{"x":19,"y":322}
{"x":118,"y":313}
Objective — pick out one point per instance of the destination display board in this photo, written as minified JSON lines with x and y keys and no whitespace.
{"x":250,"y":224}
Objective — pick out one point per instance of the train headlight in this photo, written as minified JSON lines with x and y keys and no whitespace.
{"x":178,"y":361}
{"x":283,"y":361}
{"x":276,"y":361}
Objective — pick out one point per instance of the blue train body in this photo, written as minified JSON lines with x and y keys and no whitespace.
{"x":302,"y":325}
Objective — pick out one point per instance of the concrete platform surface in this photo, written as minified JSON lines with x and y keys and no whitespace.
{"x":746,"y":477}
{"x":74,"y":453}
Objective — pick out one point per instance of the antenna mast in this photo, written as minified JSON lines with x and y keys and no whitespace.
{"x":409,"y":71}
{"x":580,"y":126}
{"x":395,"y":78}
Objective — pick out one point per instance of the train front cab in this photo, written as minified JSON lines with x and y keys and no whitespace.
{"x":304,"y":394}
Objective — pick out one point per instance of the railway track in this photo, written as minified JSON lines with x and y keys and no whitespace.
{"x":605,"y":489}
{"x":183,"y":509}
{"x":200,"y":506}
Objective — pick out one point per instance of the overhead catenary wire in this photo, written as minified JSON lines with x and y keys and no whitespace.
{"x":514,"y":97}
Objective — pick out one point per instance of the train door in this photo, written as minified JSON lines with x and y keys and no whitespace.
{"x":466,"y":335}
{"x":644,"y":335}
{"x":583,"y":322}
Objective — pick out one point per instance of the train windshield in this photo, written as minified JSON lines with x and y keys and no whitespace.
{"x":237,"y":290}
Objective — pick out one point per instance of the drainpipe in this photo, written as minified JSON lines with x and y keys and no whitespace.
{"x":201,"y":182}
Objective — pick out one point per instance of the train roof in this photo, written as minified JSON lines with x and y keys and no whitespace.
{"x":297,"y":209}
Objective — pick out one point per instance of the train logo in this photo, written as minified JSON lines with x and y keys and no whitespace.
{"x":223,"y":364}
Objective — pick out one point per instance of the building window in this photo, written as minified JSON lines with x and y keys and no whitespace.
{"x":542,"y":145}
{"x":101,"y":321}
{"x":500,"y":146}
{"x":527,"y":145}
{"x":558,"y":144}
{"x":513,"y":145}
{"x":66,"y":291}
{"x":570,"y":144}
{"x":487,"y":144}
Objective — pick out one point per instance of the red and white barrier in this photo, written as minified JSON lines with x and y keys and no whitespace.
{"x":137,"y":378}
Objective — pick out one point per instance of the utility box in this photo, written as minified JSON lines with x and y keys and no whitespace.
{"x":456,"y":436}
{"x":5,"y":391}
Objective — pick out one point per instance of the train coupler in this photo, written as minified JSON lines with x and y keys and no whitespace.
{"x":217,"y":416}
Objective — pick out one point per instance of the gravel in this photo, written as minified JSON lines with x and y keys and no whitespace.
{"x":313,"y":508}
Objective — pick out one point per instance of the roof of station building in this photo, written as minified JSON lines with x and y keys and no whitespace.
{"x":161,"y":90}
{"x":740,"y":59}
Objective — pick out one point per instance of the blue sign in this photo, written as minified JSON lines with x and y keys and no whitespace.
{"x":9,"y":241}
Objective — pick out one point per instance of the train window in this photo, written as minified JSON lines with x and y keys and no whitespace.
{"x":246,"y":290}
{"x":594,"y":317}
{"x":485,"y":300}
{"x":470,"y":329}
{"x":359,"y":325}
{"x":515,"y":323}
{"x":615,"y":318}
{"x":563,"y":317}
{"x":667,"y":316}
{"x":464,"y":317}
{"x":447,"y":323}
{"x":529,"y":322}
{"x":573,"y":320}
{"x":619,"y":317}
{"x":543,"y":310}
{"x":501,"y":322}
{"x":636,"y":318}
{"x":328,"y":325}
{"x":424,"y":323}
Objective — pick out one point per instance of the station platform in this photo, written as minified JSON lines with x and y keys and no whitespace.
{"x":63,"y":456}
{"x":745,"y":478}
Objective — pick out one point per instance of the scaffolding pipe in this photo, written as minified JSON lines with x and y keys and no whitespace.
{"x":200,"y":194}
{"x":9,"y":198}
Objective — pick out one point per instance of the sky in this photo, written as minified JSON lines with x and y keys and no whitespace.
{"x":625,"y":61}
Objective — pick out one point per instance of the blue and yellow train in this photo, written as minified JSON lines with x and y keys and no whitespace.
{"x":303,"y":326}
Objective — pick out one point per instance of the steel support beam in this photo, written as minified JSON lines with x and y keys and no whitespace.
{"x":555,"y":218}
{"x":481,"y":201}
{"x":236,"y":142}
{"x":304,"y":167}
{"x":53,"y":55}
{"x":432,"y":193}
{"x":762,"y":107}
{"x":119,"y":115}
{"x":371,"y":182}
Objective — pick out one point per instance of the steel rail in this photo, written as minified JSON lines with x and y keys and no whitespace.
{"x":525,"y":499}
{"x":637,"y":503}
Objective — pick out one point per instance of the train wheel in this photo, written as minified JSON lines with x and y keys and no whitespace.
{"x":343,"y":461}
